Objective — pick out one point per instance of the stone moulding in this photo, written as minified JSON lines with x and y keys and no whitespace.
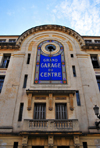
{"x":90,"y":46}
{"x":6,"y":127}
{"x":52,"y":28}
{"x":9,"y":46}
{"x":42,"y":92}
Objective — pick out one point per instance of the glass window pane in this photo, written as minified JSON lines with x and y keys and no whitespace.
{"x":61,"y":111}
{"x":39,"y":111}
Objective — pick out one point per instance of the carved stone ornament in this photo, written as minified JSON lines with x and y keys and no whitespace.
{"x":76,"y":141}
{"x":50,"y":141}
{"x":24,"y":141}
{"x":59,"y":28}
{"x":50,"y":102}
{"x":71,"y":102}
{"x":29,"y":101}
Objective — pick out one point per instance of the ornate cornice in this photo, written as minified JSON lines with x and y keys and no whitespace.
{"x":59,"y":28}
{"x":89,"y":46}
{"x":8,"y":45}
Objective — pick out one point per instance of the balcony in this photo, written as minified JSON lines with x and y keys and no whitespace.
{"x":51,"y":125}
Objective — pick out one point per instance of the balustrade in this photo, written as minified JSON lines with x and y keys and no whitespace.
{"x":51,"y":125}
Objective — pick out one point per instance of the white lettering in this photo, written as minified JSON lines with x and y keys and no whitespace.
{"x":45,"y":74}
{"x":48,"y":65}
{"x":50,"y":60}
{"x":42,"y":65}
{"x":59,"y":65}
{"x":52,"y":65}
{"x":59,"y":74}
{"x":50,"y":74}
{"x":55,"y":74}
{"x":41,"y":74}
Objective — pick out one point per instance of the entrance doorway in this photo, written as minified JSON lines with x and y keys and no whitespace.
{"x":37,"y":146}
{"x":63,"y":147}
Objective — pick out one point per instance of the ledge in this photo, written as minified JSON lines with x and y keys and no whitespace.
{"x":58,"y":92}
{"x":3,"y":68}
{"x":51,"y":126}
{"x":6,"y":127}
{"x":9,"y":45}
{"x":91,"y":46}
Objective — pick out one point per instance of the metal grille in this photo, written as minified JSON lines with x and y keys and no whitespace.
{"x":39,"y":111}
{"x":61,"y":111}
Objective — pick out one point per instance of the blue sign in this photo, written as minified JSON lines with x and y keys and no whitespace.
{"x":50,"y":68}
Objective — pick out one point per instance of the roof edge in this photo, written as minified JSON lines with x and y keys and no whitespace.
{"x":59,"y":28}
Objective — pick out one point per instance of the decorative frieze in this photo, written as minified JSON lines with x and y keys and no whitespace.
{"x":30,"y":46}
{"x":53,"y":27}
{"x":70,"y":46}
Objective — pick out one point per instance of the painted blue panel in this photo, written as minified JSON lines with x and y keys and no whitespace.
{"x":50,"y":68}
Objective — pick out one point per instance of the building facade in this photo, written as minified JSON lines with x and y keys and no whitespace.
{"x":49,"y":85}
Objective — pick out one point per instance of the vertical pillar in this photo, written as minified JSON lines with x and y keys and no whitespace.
{"x":1,"y":58}
{"x":99,"y":59}
{"x":76,"y":141}
{"x":29,"y":101}
{"x":50,"y":141}
{"x":50,"y":102}
{"x":24,"y":141}
{"x":71,"y":101}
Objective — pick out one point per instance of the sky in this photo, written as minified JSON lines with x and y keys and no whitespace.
{"x":17,"y":16}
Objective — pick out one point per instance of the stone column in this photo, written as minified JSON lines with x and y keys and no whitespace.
{"x":50,"y":102}
{"x":50,"y":141}
{"x":99,"y":59}
{"x":29,"y":101}
{"x":24,"y":141}
{"x":1,"y":58}
{"x":71,"y":101}
{"x":76,"y":141}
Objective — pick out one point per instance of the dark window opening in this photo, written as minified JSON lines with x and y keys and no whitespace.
{"x":40,"y":111}
{"x":62,"y":146}
{"x":28,"y":58}
{"x":37,"y":146}
{"x":21,"y":111}
{"x":97,"y":41}
{"x":1,"y":41}
{"x":84,"y":144}
{"x":5,"y":61}
{"x":94,"y":61}
{"x":78,"y":98}
{"x":88,"y":41}
{"x":25,"y":81}
{"x":1,"y":82}
{"x":50,"y":47}
{"x":98,"y":81}
{"x":61,"y":111}
{"x":72,"y":55}
{"x":12,"y":40}
{"x":15,"y":145}
{"x":74,"y":71}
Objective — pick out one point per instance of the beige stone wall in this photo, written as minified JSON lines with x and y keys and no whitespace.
{"x":13,"y":92}
{"x":8,"y":141}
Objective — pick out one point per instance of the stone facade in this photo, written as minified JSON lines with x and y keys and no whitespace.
{"x":18,"y":125}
